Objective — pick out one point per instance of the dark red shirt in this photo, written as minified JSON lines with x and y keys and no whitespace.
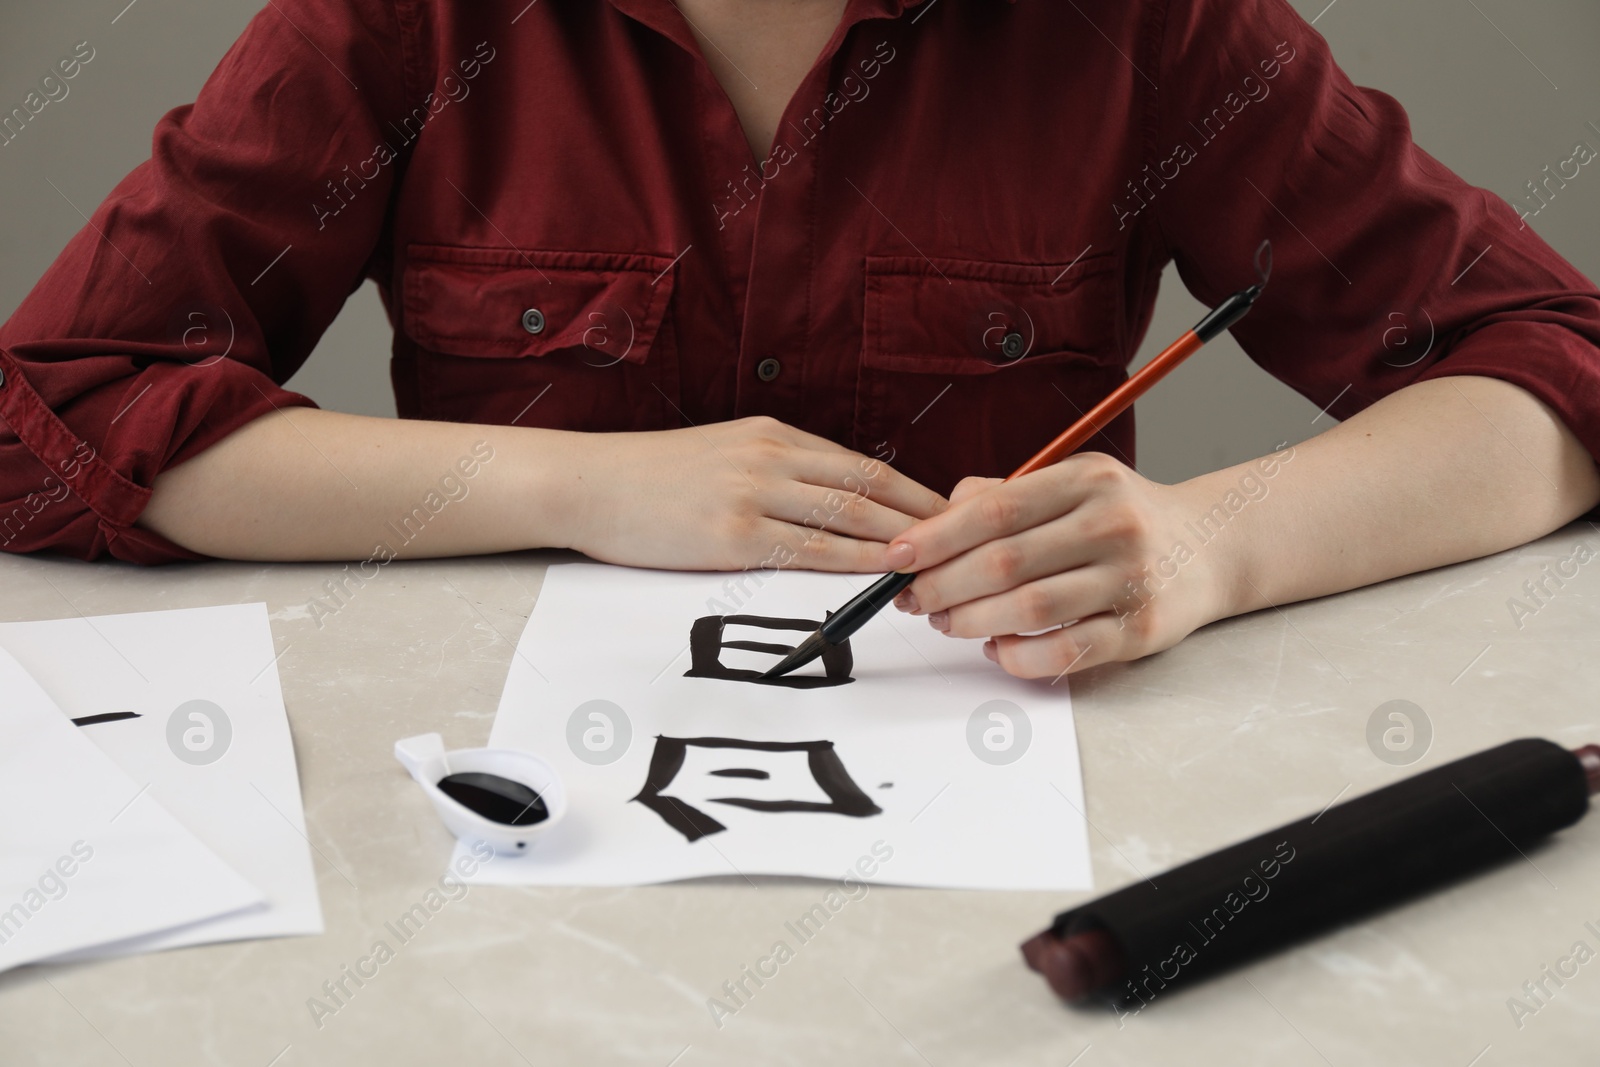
{"x":952,"y":248}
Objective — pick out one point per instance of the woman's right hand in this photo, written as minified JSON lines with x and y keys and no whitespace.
{"x":752,"y":493}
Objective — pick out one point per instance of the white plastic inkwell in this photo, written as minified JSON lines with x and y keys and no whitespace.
{"x":503,"y":796}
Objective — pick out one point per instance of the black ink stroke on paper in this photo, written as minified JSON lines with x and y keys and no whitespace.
{"x":706,"y":644}
{"x":108,"y":716}
{"x":828,"y":771}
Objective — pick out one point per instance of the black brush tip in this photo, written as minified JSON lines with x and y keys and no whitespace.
{"x":810,"y":649}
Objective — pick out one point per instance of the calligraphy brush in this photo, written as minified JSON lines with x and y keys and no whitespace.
{"x":854,"y":615}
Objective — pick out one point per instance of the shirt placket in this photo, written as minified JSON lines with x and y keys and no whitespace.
{"x":765,"y":218}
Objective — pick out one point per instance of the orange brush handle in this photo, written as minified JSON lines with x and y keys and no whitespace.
{"x":1100,"y":416}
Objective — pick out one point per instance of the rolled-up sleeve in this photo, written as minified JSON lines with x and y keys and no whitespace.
{"x":1388,"y":268}
{"x":203,"y":281}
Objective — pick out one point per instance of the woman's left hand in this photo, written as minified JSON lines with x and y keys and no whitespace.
{"x":1086,"y":550}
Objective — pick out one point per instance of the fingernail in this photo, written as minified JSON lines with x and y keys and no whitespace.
{"x":940,"y":620}
{"x":900,"y":555}
{"x":907,"y":601}
{"x":991,"y":650}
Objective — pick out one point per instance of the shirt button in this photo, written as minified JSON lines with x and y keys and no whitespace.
{"x":533,"y":320}
{"x":1012,"y":345}
{"x":768,"y":369}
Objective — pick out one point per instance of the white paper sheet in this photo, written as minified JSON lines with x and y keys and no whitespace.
{"x":87,"y":855}
{"x":908,"y":730}
{"x":245,"y":803}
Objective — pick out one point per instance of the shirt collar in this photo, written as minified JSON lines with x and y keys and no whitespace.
{"x":664,"y":17}
{"x":896,"y":8}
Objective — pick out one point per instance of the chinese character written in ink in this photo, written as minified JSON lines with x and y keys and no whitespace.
{"x":827,"y":772}
{"x":706,"y":642}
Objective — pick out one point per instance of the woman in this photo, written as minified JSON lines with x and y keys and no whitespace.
{"x":739,"y":283}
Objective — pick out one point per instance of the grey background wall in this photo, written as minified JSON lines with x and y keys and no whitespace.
{"x":1496,"y":89}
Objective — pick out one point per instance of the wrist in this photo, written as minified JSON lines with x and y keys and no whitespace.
{"x":548,"y":499}
{"x":1216,"y":535}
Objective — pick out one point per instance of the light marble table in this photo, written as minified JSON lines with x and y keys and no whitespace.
{"x":1247,"y":724}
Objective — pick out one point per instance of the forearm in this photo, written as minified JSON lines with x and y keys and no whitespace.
{"x":1442,"y":471}
{"x":304,"y":484}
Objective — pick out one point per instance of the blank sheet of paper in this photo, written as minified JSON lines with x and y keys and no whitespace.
{"x":87,"y":855}
{"x":211,"y":738}
{"x":932,"y":763}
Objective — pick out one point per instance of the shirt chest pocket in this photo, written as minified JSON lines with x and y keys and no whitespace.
{"x":495,"y":330}
{"x":997,"y":358}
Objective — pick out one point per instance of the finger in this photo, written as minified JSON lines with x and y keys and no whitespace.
{"x":997,"y":512}
{"x":1054,"y":655}
{"x":1007,"y":564}
{"x":849,"y":514}
{"x":820,"y":550}
{"x":857,"y":473}
{"x":969,"y":486}
{"x":1076,"y":594}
